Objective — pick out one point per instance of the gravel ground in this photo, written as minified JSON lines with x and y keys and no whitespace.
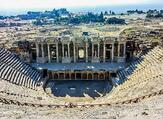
{"x":151,"y":108}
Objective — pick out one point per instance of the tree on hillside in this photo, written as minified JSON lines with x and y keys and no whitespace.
{"x":115,"y":20}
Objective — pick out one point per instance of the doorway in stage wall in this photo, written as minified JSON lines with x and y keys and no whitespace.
{"x":128,"y":56}
{"x":81,"y":55}
{"x":45,"y":71}
{"x":33,"y":56}
{"x":108,"y":55}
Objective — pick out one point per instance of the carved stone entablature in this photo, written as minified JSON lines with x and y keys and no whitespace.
{"x":78,"y":39}
{"x":110,"y":40}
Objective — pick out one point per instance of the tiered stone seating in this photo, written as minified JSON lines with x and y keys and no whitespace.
{"x":145,"y":79}
{"x":154,"y":56}
{"x":25,"y":95}
{"x":16,"y":71}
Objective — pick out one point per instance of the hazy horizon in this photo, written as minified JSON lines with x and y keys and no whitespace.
{"x":98,"y":8}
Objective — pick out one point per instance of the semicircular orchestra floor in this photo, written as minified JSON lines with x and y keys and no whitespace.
{"x":78,"y":90}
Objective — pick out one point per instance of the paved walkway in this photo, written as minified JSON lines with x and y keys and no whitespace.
{"x":79,"y":66}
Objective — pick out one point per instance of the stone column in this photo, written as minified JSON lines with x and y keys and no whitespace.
{"x":98,"y":50}
{"x":86,"y":52}
{"x":74,"y":52}
{"x":77,"y":53}
{"x":118,"y":49}
{"x":104,"y":50}
{"x":49,"y":59}
{"x":124,"y":50}
{"x":87,"y":75}
{"x":92,"y":51}
{"x":68,"y":45}
{"x":57,"y":52}
{"x":104,"y":76}
{"x":75,"y":75}
{"x":42,"y":48}
{"x":52,"y":75}
{"x":112,"y":52}
{"x":64,"y":73}
{"x":63,"y":51}
{"x":37,"y":51}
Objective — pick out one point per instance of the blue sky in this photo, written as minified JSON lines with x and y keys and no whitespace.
{"x":15,"y":7}
{"x":38,"y":4}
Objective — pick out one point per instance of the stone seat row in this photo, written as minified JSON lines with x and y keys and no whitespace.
{"x":16,"y":71}
{"x":145,"y":75}
{"x":141,"y":79}
{"x":129,"y":70}
{"x":24,"y":94}
{"x":149,"y":73}
{"x":153,"y":57}
{"x":15,"y":77}
{"x":147,"y":70}
{"x":136,"y":90}
{"x":14,"y":61}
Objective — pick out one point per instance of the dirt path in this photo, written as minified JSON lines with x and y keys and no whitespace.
{"x":151,"y":108}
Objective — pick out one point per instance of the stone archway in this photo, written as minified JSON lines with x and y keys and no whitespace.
{"x":67,"y":76}
{"x":55,"y":76}
{"x":90,"y":76}
{"x":84,"y":75}
{"x":101,"y":76}
{"x":73,"y":76}
{"x":50,"y":75}
{"x":61,"y":75}
{"x":95,"y":76}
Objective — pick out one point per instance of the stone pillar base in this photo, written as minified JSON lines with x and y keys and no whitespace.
{"x":42,"y":60}
{"x":95,"y":60}
{"x":66,"y":60}
{"x":120,"y":59}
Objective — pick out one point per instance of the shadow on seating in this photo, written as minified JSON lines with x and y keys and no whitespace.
{"x":78,"y":88}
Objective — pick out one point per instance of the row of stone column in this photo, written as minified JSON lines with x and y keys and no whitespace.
{"x":83,"y":75}
{"x":104,"y":52}
{"x":94,"y":54}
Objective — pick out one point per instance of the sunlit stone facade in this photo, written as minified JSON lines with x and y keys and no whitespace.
{"x":79,"y":57}
{"x":80,"y":49}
